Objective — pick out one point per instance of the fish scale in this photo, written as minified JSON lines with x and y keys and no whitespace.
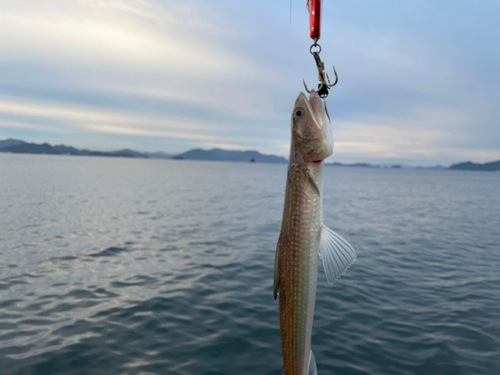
{"x":298,"y":276}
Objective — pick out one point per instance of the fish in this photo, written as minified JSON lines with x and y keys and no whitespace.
{"x":303,"y":236}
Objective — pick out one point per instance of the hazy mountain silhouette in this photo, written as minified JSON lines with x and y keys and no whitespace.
{"x":363,"y":165}
{"x":137,"y":154}
{"x":45,"y":148}
{"x":22,"y":147}
{"x":10,"y":142}
{"x":218,"y":154}
{"x":469,"y":166}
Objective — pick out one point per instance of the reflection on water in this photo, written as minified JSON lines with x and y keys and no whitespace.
{"x":122,"y":266}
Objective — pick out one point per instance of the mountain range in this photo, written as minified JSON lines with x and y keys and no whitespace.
{"x":21,"y":147}
{"x":469,"y":166}
{"x":216,"y":154}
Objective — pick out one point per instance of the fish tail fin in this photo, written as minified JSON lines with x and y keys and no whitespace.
{"x":312,"y":365}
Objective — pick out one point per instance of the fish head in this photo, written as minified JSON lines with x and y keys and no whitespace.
{"x":311,"y":128}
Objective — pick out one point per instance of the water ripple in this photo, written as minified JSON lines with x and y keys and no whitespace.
{"x":164,"y":267}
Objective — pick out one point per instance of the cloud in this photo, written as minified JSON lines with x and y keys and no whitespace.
{"x":109,"y":121}
{"x":24,"y":125}
{"x":422,"y":135}
{"x":136,"y":48}
{"x":121,"y":122}
{"x":102,"y":36}
{"x":209,"y":73}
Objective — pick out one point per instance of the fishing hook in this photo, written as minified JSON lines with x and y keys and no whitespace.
{"x":323,"y":77}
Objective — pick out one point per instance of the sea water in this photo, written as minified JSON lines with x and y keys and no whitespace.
{"x":126,"y":266}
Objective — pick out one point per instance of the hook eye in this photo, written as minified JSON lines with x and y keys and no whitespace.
{"x":323,"y":90}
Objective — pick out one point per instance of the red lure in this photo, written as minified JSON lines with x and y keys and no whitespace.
{"x":314,"y":7}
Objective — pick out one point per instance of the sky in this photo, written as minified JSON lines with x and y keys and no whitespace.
{"x":419,"y":81}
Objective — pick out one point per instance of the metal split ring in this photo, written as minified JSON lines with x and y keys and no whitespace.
{"x":315,"y":45}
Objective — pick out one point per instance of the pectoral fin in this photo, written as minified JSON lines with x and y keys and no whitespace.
{"x":312,"y":183}
{"x":336,"y":253}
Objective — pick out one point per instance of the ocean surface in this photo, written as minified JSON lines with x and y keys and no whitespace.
{"x":123,"y":266}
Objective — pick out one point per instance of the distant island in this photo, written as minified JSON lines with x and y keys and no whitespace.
{"x":493,"y":166}
{"x":393,"y":166}
{"x":215,"y":154}
{"x":21,"y":147}
{"x":362,"y":165}
{"x":218,"y":154}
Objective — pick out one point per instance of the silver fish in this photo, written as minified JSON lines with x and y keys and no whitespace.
{"x":303,"y":235}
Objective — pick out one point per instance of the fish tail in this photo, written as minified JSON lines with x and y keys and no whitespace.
{"x":312,"y":365}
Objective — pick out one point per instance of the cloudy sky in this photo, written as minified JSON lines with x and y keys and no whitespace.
{"x":419,"y":80}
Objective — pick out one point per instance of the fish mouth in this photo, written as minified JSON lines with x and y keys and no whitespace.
{"x":318,"y":106}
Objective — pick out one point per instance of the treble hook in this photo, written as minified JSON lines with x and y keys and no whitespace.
{"x":324,"y":80}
